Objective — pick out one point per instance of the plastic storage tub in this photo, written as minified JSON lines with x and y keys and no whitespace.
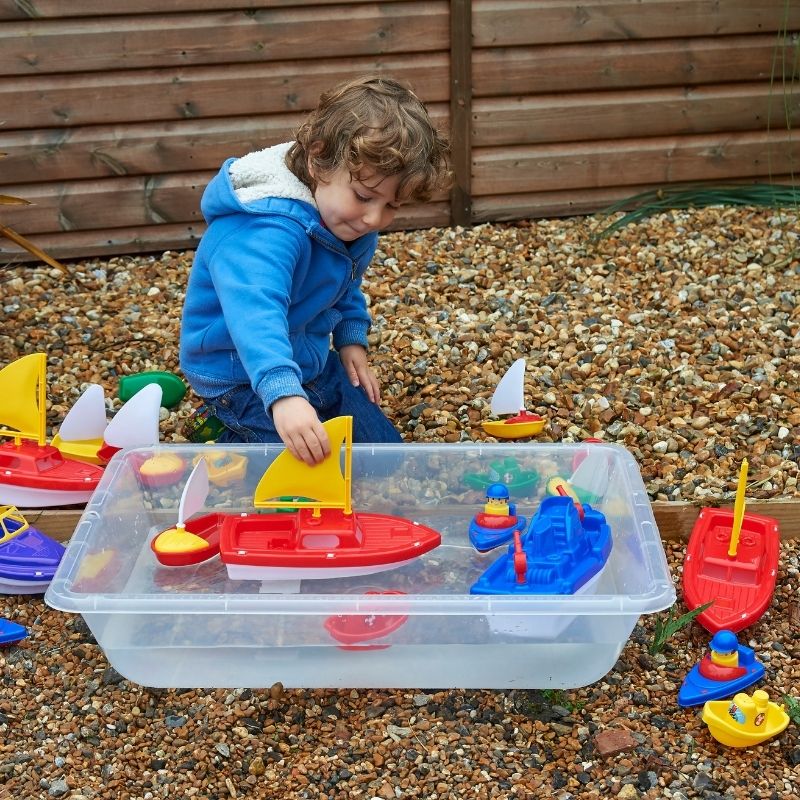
{"x":413,"y":626}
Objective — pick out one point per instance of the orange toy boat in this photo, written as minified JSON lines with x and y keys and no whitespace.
{"x":731,"y":560}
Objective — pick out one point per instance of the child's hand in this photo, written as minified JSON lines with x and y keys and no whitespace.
{"x":354,"y":361}
{"x":299,"y":427}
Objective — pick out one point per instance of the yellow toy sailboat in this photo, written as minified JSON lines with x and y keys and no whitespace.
{"x":509,"y":398}
{"x":745,"y":721}
{"x":32,"y":472}
{"x":80,"y":435}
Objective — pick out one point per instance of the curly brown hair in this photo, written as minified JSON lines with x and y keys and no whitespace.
{"x":378,"y":124}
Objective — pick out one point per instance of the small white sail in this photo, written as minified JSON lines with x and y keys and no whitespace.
{"x":136,"y":423}
{"x":509,"y":396}
{"x":194,"y":493}
{"x":591,"y":475}
{"x":86,"y":420}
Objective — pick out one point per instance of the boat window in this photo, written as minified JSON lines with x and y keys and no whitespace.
{"x":49,"y":461}
{"x":8,"y":461}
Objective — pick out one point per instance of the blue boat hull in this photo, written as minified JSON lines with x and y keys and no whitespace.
{"x":697,"y":689}
{"x":29,"y":558}
{"x":10,"y":632}
{"x":484,"y":539}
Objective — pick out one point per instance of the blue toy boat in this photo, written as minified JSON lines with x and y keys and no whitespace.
{"x":728,"y":668}
{"x":28,"y":558}
{"x":559,"y":554}
{"x":10,"y":632}
{"x":487,"y":531}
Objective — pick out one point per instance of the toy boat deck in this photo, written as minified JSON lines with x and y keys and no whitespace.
{"x":740,"y":586}
{"x":28,"y":558}
{"x":298,"y":545}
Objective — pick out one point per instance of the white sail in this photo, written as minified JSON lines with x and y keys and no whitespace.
{"x":136,"y":423}
{"x":194,"y":493}
{"x":591,"y":475}
{"x":509,"y":396}
{"x":86,"y":420}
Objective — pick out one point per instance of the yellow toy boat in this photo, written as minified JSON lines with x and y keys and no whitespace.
{"x":509,"y":398}
{"x":745,"y":721}
{"x":224,"y":469}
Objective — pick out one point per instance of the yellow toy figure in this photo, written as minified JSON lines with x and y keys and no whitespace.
{"x":725,"y":649}
{"x":497,"y":501}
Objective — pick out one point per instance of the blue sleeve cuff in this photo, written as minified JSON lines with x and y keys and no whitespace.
{"x":277,"y":383}
{"x":350,"y":331}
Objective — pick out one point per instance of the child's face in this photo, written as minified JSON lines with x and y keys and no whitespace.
{"x":353,"y":206}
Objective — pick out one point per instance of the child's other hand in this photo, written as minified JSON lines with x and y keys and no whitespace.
{"x":299,"y":427}
{"x":354,"y":361}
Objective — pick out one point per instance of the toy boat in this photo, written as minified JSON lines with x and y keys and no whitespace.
{"x":509,"y":398}
{"x":173,"y":388}
{"x":11,"y":633}
{"x":97,"y":571}
{"x":559,"y":554}
{"x":745,"y":721}
{"x":354,"y":630}
{"x":32,"y":472}
{"x":28,"y":558}
{"x":507,"y":471}
{"x":732,"y":560}
{"x":496,"y":524}
{"x":80,"y":435}
{"x":728,"y":668}
{"x":317,"y":538}
{"x":194,"y":541}
{"x":224,"y":469}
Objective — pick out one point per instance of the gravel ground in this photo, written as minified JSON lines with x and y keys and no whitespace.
{"x":678,"y":338}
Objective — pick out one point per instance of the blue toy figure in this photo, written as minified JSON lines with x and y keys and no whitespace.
{"x":726,"y":669}
{"x":495,"y":525}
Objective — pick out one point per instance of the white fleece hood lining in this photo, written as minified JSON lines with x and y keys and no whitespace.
{"x":264,"y":174}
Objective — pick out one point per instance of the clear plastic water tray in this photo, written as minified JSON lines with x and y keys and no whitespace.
{"x":413,"y":626}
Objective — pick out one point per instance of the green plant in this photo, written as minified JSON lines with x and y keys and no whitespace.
{"x":665,"y":629}
{"x":558,"y":697}
{"x":792,"y":708}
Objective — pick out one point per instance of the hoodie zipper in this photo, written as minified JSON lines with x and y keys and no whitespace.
{"x":342,"y":251}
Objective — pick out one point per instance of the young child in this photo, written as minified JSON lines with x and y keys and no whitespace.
{"x":291,"y":230}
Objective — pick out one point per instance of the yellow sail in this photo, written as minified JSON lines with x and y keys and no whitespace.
{"x":324,"y":483}
{"x":22,"y":398}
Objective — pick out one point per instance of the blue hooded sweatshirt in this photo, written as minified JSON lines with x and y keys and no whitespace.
{"x":269,"y":284}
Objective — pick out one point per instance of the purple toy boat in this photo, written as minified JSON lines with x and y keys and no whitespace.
{"x":28,"y":558}
{"x":10,"y":632}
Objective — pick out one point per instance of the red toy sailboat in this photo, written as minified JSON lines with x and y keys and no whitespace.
{"x":319,"y":538}
{"x":32,"y":472}
{"x":731,"y":560}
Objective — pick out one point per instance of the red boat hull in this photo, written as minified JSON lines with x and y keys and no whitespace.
{"x":44,"y":467}
{"x":297,"y":540}
{"x":741,"y":586}
{"x":207,"y":527}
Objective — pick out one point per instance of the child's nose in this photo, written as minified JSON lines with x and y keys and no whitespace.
{"x":372,"y":217}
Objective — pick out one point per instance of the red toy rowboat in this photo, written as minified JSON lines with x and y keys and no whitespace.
{"x":732,"y":566}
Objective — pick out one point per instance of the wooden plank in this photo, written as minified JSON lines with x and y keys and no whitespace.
{"x":631,"y":114}
{"x":118,"y":202}
{"x":60,"y":101}
{"x":58,"y":9}
{"x":145,"y":148}
{"x":110,"y":203}
{"x":539,"y":205}
{"x":663,"y":160}
{"x":159,"y":40}
{"x":461,"y":109}
{"x":626,"y":65}
{"x":674,"y":519}
{"x":176,"y":236}
{"x":503,"y":23}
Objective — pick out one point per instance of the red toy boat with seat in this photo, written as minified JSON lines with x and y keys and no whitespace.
{"x":32,"y":472}
{"x":319,"y":538}
{"x":731,"y":560}
{"x":353,"y":631}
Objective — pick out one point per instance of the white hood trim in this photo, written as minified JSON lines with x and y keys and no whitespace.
{"x":264,"y":174}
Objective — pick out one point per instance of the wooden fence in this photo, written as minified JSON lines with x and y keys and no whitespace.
{"x":117,"y":114}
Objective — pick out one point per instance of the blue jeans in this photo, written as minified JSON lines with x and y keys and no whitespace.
{"x":331,"y":394}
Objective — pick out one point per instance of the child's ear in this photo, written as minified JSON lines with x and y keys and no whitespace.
{"x":313,"y":151}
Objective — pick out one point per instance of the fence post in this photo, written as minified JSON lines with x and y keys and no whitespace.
{"x":461,"y":110}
